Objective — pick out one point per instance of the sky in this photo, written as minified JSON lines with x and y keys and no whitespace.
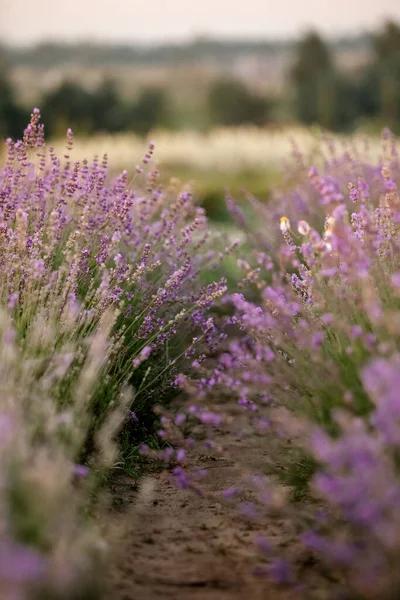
{"x":135,"y":21}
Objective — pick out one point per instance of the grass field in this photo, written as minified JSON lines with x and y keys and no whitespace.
{"x":238,"y":160}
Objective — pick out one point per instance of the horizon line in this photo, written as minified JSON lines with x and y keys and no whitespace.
{"x":196,"y":38}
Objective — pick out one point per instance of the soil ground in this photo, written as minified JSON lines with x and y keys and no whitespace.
{"x":168,"y":543}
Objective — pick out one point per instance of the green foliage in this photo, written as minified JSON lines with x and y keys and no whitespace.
{"x":387,"y":43}
{"x":68,"y":104}
{"x":12,"y":116}
{"x":210,"y":186}
{"x":150,"y":110}
{"x":231,"y":103}
{"x":71,"y":105}
{"x":321,"y":93}
{"x":107,"y":113}
{"x":386,"y":72}
{"x":313,"y":58}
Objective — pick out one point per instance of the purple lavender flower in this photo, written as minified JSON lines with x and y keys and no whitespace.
{"x":81,"y":470}
{"x":20,"y":564}
{"x":181,"y":478}
{"x":280,"y":572}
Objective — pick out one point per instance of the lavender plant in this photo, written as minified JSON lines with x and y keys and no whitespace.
{"x":100,"y":308}
{"x":328,"y":294}
{"x":319,"y":336}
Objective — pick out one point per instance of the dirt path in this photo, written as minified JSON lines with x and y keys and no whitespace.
{"x":169,"y":543}
{"x":174,"y":545}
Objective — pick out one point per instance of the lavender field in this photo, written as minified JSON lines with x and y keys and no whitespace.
{"x":194,"y":413}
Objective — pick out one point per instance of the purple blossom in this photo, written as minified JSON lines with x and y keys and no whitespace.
{"x":180,"y":419}
{"x":143,"y":356}
{"x":280,"y":572}
{"x":396,"y":280}
{"x":81,"y":470}
{"x":181,"y":478}
{"x":133,"y":416}
{"x":180,"y":455}
{"x":19,"y":564}
{"x":230,"y":493}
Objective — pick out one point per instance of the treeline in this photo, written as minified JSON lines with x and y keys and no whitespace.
{"x":103,"y":109}
{"x":323,"y":94}
{"x":71,"y":105}
{"x":318,"y":92}
{"x":222,"y":52}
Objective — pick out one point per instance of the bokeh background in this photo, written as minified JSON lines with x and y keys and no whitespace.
{"x":222,"y":87}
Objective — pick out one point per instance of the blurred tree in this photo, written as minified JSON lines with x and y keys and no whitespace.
{"x":70,"y":105}
{"x":313,"y":58}
{"x":368,"y":101}
{"x":322,"y":94}
{"x":150,"y":110}
{"x":386,"y":72}
{"x":231,"y":103}
{"x":13,"y":118}
{"x":387,"y":43}
{"x":313,"y":78}
{"x":108,"y":114}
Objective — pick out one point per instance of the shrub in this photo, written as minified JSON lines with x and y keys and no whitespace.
{"x":231,"y":103}
{"x":99,"y":296}
{"x":319,"y":336}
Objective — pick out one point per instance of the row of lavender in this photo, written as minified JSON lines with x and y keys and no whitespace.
{"x":103,"y":308}
{"x":315,"y":366}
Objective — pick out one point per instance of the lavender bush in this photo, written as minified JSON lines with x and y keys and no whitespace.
{"x":316,"y":361}
{"x":100,"y":308}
